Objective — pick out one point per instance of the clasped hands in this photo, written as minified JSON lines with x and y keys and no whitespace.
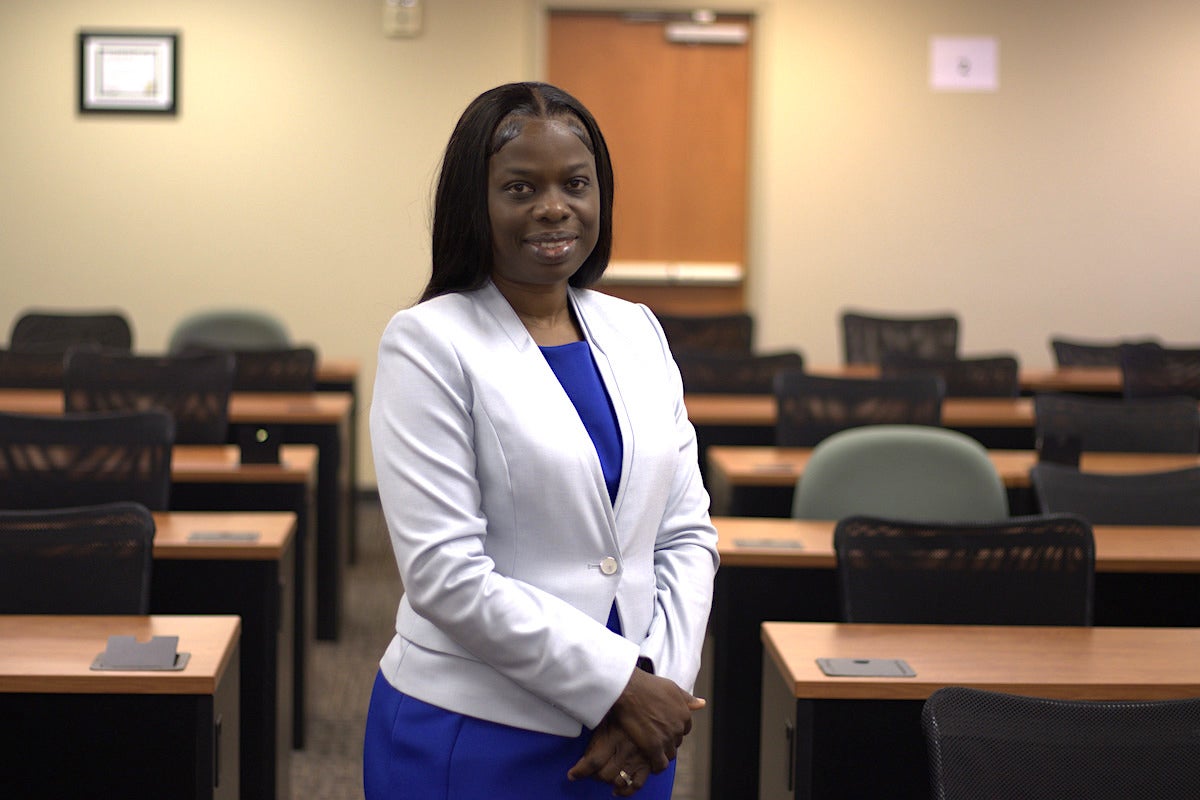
{"x":639,"y":735}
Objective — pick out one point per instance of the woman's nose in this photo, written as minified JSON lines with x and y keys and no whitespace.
{"x":553,"y":206}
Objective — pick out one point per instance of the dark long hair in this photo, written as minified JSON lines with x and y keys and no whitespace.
{"x":462,"y":231}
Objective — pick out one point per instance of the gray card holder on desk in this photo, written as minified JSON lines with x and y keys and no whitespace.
{"x":866,"y":667}
{"x":127,"y":653}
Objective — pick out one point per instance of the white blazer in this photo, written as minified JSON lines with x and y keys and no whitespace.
{"x":510,"y":552}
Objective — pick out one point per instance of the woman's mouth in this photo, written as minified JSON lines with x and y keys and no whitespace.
{"x":552,"y":248}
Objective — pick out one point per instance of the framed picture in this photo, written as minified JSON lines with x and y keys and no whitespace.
{"x":128,"y":72}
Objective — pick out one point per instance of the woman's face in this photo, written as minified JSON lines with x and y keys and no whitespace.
{"x":543,"y":204}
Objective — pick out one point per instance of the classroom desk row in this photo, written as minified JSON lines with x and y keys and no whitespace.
{"x":785,"y":570}
{"x":325,"y":419}
{"x":72,"y":731}
{"x":205,"y":563}
{"x":836,"y":737}
{"x":760,"y":481}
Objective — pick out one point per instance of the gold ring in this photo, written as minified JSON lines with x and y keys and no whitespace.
{"x":625,"y":777}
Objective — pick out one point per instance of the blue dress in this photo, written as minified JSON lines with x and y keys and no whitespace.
{"x":416,"y":750}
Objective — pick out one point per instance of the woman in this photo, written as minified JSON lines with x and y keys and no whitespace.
{"x":540,"y":482}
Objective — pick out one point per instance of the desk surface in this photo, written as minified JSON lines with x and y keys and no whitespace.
{"x":337,"y":370}
{"x":53,"y":654}
{"x":774,"y":542}
{"x":222,"y":463}
{"x":1103,"y":380}
{"x":759,"y":410}
{"x":783,"y":466}
{"x":173,"y":534}
{"x":1069,"y":663}
{"x":295,"y":408}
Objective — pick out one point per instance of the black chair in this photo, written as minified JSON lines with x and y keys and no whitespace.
{"x":193,"y":388}
{"x":810,"y":407}
{"x":718,"y":333}
{"x":1153,"y":371}
{"x":1080,"y":353}
{"x":1148,"y":498}
{"x":86,"y":459}
{"x":1031,"y":570}
{"x":20,"y":369}
{"x":56,"y":332}
{"x":287,"y":369}
{"x":986,"y":745}
{"x":867,"y":337}
{"x":980,"y":376}
{"x":1107,"y":424}
{"x":728,"y":373}
{"x":78,"y":560}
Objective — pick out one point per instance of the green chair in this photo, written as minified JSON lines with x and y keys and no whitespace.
{"x":916,"y":472}
{"x":230,"y":329}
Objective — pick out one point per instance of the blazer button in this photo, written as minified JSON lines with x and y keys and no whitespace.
{"x":608,"y":565}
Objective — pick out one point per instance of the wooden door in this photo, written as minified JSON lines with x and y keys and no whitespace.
{"x":676,"y":119}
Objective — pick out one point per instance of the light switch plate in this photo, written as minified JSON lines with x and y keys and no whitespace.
{"x":401,"y":18}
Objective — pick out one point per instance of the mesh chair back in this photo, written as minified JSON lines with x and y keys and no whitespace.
{"x":727,"y":373}
{"x":1077,"y":353}
{"x":909,"y":471}
{"x":85,"y":560}
{"x":194,"y":389}
{"x":720,"y":333}
{"x":1035,"y":570}
{"x":1149,"y":498}
{"x":85,"y":459}
{"x":985,"y":745}
{"x":1152,"y":371}
{"x":50,"y":332}
{"x":30,"y":370}
{"x":866,"y":338}
{"x":1106,"y":424}
{"x":810,"y":408}
{"x":985,"y":376}
{"x":288,"y":369}
{"x":229,"y":329}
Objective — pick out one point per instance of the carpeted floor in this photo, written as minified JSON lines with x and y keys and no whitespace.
{"x":330,"y":765}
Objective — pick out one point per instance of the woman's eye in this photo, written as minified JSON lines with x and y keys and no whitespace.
{"x":578,"y":184}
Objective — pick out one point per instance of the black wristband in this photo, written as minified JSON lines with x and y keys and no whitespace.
{"x":645,"y":664}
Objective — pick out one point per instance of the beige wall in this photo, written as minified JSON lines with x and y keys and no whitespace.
{"x":297,"y":174}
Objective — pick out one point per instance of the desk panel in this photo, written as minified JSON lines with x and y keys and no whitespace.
{"x":254,"y":579}
{"x":212,"y":478}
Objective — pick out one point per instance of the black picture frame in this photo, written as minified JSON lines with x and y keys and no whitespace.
{"x":128,"y":72}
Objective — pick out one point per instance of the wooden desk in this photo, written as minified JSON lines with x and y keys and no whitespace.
{"x":759,"y":410}
{"x":1080,"y":380}
{"x":212,"y":478}
{"x":341,"y":375}
{"x":1086,"y":380}
{"x":254,"y":579}
{"x":737,"y":474}
{"x":861,"y":737}
{"x":784,"y":569}
{"x":75,"y":732}
{"x":749,"y":419}
{"x":325,"y":419}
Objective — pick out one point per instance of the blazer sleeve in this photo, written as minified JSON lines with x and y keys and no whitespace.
{"x":685,"y":553}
